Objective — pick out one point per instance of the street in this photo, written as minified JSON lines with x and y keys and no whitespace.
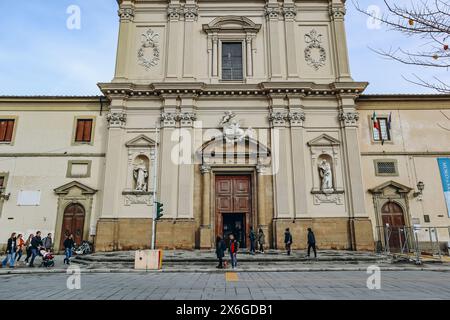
{"x":227,"y":286}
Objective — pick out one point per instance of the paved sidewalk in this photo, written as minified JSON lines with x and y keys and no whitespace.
{"x":205,"y":261}
{"x":410,"y":285}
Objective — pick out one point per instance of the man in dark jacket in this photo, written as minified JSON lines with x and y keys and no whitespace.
{"x":252,"y":237}
{"x":288,"y":241}
{"x":11,"y":249}
{"x":68,"y":246}
{"x":311,"y":242}
{"x":36,"y":244}
{"x":220,"y":251}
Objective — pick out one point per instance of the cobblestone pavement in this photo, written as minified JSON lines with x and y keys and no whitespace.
{"x":229,"y":286}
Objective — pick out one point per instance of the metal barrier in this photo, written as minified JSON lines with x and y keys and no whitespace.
{"x":417,"y":240}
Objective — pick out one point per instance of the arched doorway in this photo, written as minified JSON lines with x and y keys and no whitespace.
{"x":73,"y":223}
{"x":392,"y":216}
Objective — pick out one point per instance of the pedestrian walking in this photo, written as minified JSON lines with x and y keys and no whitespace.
{"x":252,"y":237}
{"x":48,"y":242}
{"x":311,"y":242}
{"x":261,"y":240}
{"x":288,"y":241}
{"x":36,"y":244}
{"x":220,"y":251}
{"x":68,"y":246}
{"x":28,"y":247}
{"x":11,"y":248}
{"x":20,"y":246}
{"x":233,"y":248}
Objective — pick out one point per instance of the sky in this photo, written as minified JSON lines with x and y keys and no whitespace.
{"x":40,"y":55}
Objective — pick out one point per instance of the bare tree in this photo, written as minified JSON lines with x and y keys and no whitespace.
{"x":428,"y":20}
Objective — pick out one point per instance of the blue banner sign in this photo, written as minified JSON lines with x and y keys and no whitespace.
{"x":444,"y":167}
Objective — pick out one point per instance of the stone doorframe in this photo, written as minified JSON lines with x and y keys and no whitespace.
{"x":208,"y":223}
{"x":390,"y":191}
{"x":71,"y":193}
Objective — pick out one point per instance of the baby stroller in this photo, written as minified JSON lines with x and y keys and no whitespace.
{"x":47,"y":259}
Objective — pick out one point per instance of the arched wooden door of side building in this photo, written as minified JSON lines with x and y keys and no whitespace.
{"x":392,"y":214}
{"x":73,"y":223}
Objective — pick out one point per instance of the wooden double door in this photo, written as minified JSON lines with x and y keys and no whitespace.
{"x":73,"y":223}
{"x":233,"y":207}
{"x":393,"y":216}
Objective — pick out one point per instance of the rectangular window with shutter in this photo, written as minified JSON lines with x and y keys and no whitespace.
{"x":6,"y":130}
{"x":83,"y":132}
{"x":232,"y":65}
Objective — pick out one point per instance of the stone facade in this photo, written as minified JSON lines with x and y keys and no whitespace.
{"x":168,"y":109}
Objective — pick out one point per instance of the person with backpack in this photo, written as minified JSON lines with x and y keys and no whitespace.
{"x":311,"y":242}
{"x":288,"y":241}
{"x":11,"y":248}
{"x":233,"y":248}
{"x":252,"y":237}
{"x":48,"y":242}
{"x":220,"y":251}
{"x":68,"y":246}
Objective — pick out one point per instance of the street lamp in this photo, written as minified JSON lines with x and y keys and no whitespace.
{"x":420,"y":187}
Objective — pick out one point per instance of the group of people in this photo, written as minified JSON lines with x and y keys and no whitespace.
{"x":34,"y":246}
{"x":256,"y":240}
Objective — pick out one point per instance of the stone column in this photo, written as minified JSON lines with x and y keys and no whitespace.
{"x":115,"y":170}
{"x":215,"y":56}
{"x":337,"y":13}
{"x":290,"y":12}
{"x":126,"y":14}
{"x":186,"y":166}
{"x":248,"y":43}
{"x":354,"y":181}
{"x":205,"y":228}
{"x":190,"y":15}
{"x":169,"y":143}
{"x":296,"y":118}
{"x":261,"y":198}
{"x":273,"y":16}
{"x":175,"y":52}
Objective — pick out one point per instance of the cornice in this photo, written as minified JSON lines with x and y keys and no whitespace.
{"x":128,"y":90}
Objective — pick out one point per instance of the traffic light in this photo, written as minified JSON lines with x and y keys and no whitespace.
{"x":159,"y":210}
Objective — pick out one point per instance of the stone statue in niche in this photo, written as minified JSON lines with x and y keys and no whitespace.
{"x":326,"y":176}
{"x":140,"y":173}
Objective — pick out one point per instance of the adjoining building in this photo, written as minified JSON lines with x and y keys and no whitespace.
{"x":260,"y":124}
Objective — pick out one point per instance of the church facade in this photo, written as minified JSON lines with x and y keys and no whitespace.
{"x":248,"y":114}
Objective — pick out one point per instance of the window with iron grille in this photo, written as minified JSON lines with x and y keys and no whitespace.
{"x":386,"y":168}
{"x":232,"y":66}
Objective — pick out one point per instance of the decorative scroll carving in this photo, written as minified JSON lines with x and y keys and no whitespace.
{"x":148,"y":54}
{"x":315,"y":54}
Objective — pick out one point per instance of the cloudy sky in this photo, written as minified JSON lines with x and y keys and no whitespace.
{"x":39,"y":55}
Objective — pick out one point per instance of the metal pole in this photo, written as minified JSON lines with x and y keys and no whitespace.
{"x":417,"y":247}
{"x":437,"y":242}
{"x":155,"y":186}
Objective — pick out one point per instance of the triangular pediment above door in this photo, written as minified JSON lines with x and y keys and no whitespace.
{"x":323,"y":140}
{"x":65,"y":189}
{"x":391,"y":187}
{"x":140,"y":141}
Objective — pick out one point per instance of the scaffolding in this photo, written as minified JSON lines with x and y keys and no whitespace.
{"x":414,"y":242}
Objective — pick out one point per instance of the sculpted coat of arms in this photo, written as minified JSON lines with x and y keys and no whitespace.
{"x":148,"y":54}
